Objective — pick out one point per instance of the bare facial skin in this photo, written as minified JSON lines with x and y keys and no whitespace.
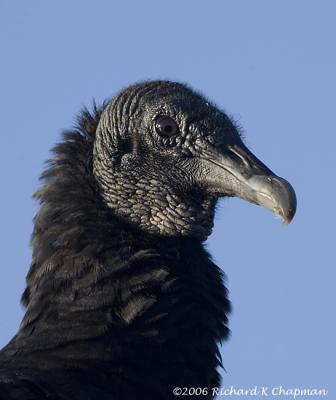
{"x":164,"y":155}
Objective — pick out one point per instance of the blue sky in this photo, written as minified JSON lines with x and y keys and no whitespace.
{"x":269,"y":64}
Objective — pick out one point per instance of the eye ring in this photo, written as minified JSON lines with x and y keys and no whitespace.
{"x":166,"y":126}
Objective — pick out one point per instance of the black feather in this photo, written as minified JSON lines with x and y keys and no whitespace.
{"x":112,"y":311}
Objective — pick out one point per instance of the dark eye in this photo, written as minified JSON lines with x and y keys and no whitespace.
{"x":166,"y":126}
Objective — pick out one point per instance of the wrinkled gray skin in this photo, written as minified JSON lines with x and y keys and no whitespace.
{"x":170,"y":186}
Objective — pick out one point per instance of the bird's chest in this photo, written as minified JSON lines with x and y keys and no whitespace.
{"x":176,"y":316}
{"x":173,"y":298}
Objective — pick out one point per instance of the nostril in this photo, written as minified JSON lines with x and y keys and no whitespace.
{"x":239,"y":156}
{"x":210,"y":139}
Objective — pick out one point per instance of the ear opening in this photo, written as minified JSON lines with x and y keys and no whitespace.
{"x":124,"y":148}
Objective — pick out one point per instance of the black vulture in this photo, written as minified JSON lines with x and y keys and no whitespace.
{"x":122,"y":299}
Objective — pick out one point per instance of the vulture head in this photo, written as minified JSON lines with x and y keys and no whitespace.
{"x":164,"y":155}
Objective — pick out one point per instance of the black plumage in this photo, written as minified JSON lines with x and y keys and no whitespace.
{"x":122,"y":299}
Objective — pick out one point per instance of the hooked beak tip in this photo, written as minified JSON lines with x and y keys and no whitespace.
{"x":275,"y":194}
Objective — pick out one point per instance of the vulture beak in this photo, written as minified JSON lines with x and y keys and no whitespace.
{"x":237,"y":172}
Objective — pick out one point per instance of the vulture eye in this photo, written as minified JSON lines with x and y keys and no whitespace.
{"x":166,"y":126}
